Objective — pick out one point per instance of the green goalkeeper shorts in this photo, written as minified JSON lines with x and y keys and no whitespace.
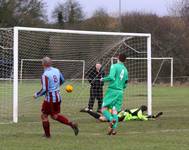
{"x":113,"y":98}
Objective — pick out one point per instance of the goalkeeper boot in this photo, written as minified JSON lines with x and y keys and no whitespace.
{"x":75,"y":128}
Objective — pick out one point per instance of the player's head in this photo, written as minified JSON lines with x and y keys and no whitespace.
{"x":98,"y":66}
{"x":46,"y":62}
{"x":143,"y":108}
{"x":122,"y":57}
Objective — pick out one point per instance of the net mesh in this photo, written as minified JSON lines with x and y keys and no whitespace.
{"x":91,"y":49}
{"x":28,"y":68}
{"x":162,"y":71}
{"x":6,"y":67}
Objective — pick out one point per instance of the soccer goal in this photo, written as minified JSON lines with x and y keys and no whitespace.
{"x":159,"y":66}
{"x":29,"y":68}
{"x":29,"y":44}
{"x":162,"y":70}
{"x":6,"y":74}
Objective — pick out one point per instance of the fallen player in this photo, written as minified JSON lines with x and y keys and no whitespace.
{"x":128,"y":114}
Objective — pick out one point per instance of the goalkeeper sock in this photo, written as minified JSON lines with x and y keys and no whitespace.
{"x":63,"y":120}
{"x":107,"y":114}
{"x":46,"y":127}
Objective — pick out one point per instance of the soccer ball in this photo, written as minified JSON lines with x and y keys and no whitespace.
{"x":69,"y":88}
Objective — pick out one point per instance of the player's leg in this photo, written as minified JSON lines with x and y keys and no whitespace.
{"x":107,"y":104}
{"x":117,"y":104}
{"x":91,"y":101}
{"x":106,"y":113}
{"x":94,"y":114}
{"x":99,"y":98}
{"x":44,"y":118}
{"x":64,"y":120}
{"x":155,"y":116}
{"x":91,"y":98}
{"x":158,"y":114}
{"x":55,"y":114}
{"x":115,"y":117}
{"x":46,"y":125}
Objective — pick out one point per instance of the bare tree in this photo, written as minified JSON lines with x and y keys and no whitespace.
{"x":181,"y":9}
{"x":100,"y":21}
{"x":69,"y":12}
{"x":22,"y":12}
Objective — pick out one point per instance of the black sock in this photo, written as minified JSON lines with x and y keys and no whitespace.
{"x":94,"y":114}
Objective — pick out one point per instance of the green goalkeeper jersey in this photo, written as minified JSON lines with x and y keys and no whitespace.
{"x":117,"y":77}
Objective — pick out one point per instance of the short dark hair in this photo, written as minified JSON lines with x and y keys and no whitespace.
{"x":143,"y":108}
{"x":122,"y":57}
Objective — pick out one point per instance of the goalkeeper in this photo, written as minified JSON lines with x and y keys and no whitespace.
{"x":113,"y":98}
{"x":128,"y":114}
{"x":137,"y":114}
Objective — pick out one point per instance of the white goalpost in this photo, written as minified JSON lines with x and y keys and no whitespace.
{"x":163,"y":59}
{"x":170,"y":59}
{"x":76,"y":52}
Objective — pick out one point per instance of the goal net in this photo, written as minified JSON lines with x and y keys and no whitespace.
{"x":90,"y":47}
{"x":28,"y":68}
{"x":162,"y":69}
{"x":6,"y":83}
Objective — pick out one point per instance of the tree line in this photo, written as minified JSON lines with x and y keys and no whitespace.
{"x":170,"y":34}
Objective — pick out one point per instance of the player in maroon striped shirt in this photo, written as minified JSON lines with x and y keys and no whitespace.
{"x":51,"y":81}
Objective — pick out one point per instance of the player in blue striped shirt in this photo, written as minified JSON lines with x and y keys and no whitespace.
{"x":51,"y":81}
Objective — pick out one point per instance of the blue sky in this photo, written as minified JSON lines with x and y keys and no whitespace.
{"x":159,"y":7}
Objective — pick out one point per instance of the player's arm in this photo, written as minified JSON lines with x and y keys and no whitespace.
{"x":94,"y":114}
{"x":111,"y":76}
{"x":61,"y":78}
{"x":92,"y":76}
{"x":126,"y":81}
{"x":44,"y":89}
{"x":142,"y":116}
{"x":125,"y":85}
{"x":103,"y":74}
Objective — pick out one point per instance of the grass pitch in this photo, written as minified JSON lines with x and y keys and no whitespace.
{"x":170,"y":132}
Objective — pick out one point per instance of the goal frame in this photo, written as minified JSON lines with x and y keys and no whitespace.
{"x":154,"y":58}
{"x":171,"y":69}
{"x":15,"y":59}
{"x":54,"y":60}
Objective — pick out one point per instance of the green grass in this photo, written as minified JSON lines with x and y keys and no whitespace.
{"x":170,"y":132}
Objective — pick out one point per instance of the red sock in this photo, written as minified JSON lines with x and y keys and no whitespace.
{"x":46,"y":127}
{"x":64,"y":120}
